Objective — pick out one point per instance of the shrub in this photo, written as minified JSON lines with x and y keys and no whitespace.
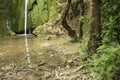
{"x":106,"y":63}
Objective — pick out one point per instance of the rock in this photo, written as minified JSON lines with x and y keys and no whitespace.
{"x":41,"y":63}
{"x":11,"y":32}
{"x":1,"y":73}
{"x":45,"y":44}
{"x":47,"y":75}
{"x":1,"y":54}
{"x":48,"y":38}
{"x":70,"y":62}
{"x":40,"y":53}
{"x":8,"y":67}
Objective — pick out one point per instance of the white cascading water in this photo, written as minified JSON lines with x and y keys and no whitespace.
{"x":25,"y":23}
{"x":25,"y":33}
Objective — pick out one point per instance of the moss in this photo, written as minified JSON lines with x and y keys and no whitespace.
{"x":4,"y":6}
{"x":16,"y":13}
{"x":52,"y":6}
{"x":39,"y":14}
{"x":43,"y":11}
{"x":30,"y":4}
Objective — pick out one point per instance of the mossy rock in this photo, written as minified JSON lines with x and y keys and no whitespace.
{"x":4,"y":6}
{"x":16,"y":14}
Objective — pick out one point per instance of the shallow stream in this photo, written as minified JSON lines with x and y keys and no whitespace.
{"x":48,"y":54}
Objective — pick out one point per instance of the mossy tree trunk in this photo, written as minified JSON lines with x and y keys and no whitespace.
{"x":71,"y":32}
{"x":95,"y":30}
{"x":82,"y":11}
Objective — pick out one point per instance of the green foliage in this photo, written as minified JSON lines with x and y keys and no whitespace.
{"x":85,"y":18}
{"x":106,"y":62}
{"x":42,"y":12}
{"x":109,"y":33}
{"x":30,"y":4}
{"x":110,"y":14}
{"x":83,"y":53}
{"x":39,"y":14}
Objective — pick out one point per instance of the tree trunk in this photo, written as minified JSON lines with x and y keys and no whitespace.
{"x":82,"y":11}
{"x":95,"y":30}
{"x":71,"y":32}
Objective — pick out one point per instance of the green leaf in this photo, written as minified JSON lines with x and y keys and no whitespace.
{"x":109,"y":68}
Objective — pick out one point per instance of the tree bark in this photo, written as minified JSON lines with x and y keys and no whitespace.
{"x":82,"y":11}
{"x":95,"y":30}
{"x":71,"y":32}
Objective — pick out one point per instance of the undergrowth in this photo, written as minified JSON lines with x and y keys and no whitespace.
{"x":106,"y":63}
{"x":103,"y":65}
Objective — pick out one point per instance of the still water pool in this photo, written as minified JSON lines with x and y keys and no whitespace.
{"x":47,"y":53}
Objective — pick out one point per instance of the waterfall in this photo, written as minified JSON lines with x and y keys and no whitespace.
{"x":25,"y":23}
{"x":8,"y":24}
{"x":25,"y":33}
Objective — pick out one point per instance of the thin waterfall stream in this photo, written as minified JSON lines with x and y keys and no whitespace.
{"x":26,"y":39}
{"x":25,"y":23}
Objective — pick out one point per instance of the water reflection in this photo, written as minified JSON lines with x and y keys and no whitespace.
{"x":27,"y":52}
{"x":16,"y":44}
{"x":14,"y":49}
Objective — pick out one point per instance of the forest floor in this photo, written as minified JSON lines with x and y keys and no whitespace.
{"x":56,"y":58}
